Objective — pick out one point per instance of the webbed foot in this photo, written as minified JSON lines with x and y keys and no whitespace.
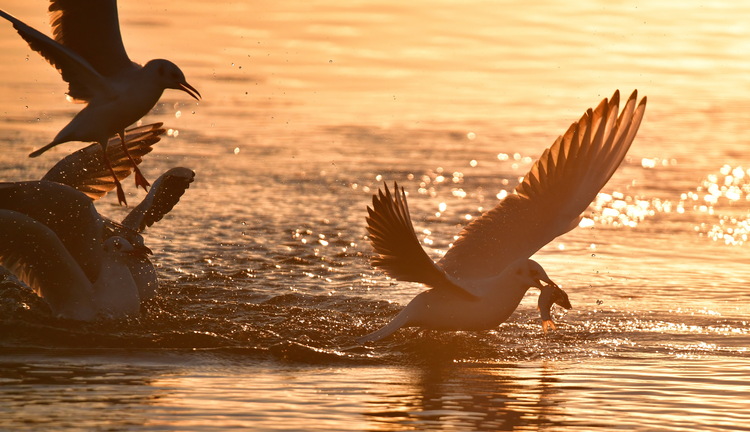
{"x":548,"y":324}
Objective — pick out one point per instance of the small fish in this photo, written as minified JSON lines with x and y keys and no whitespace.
{"x":551,"y":294}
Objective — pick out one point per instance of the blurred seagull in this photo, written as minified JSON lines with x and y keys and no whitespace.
{"x":480,"y":281}
{"x":88,"y":52}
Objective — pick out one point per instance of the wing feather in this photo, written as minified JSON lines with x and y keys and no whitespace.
{"x":552,"y":196}
{"x":35,"y":255}
{"x":85,"y":170}
{"x":91,"y":29}
{"x":65,"y":211}
{"x":397,"y":248}
{"x":165,"y":193}
{"x":84,"y":81}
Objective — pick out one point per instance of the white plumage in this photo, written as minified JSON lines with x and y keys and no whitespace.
{"x":480,"y":281}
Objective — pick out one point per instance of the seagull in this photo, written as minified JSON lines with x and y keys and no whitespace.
{"x":76,"y":261}
{"x":88,"y":52}
{"x":84,"y":171}
{"x":482,"y":278}
{"x":162,"y":197}
{"x":37,"y":256}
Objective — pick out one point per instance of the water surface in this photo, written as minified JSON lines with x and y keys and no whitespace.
{"x":308,"y":107}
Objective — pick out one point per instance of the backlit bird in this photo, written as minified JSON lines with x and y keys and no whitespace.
{"x":88,"y":52}
{"x":482,"y":278}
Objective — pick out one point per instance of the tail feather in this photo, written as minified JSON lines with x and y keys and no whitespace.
{"x":396,"y":323}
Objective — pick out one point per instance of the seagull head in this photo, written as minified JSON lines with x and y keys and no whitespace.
{"x":532,"y":274}
{"x":134,"y":238}
{"x":139,"y":247}
{"x":171,"y":77}
{"x":119,"y":245}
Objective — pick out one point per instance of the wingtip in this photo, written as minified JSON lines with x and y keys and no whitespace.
{"x":7,"y":16}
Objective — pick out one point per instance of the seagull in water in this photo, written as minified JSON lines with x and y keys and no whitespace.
{"x":88,"y":52}
{"x":79,"y":273}
{"x":480,"y":281}
{"x":84,"y":265}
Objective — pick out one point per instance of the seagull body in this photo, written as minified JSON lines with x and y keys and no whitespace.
{"x":482,"y":278}
{"x":104,"y":116}
{"x":88,"y":52}
{"x":444,"y":309}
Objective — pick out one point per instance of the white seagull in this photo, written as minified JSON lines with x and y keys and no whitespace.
{"x":480,"y":281}
{"x":84,"y":265}
{"x":88,"y":52}
{"x":34,"y":253}
{"x":84,"y":171}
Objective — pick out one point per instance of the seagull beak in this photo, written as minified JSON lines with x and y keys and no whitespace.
{"x":142,"y":250}
{"x":187,"y":88}
{"x":544,"y":278}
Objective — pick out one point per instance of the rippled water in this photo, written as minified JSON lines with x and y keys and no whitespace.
{"x":308,"y":107}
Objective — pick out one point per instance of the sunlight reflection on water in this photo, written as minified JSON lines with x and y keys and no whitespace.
{"x":309,"y":108}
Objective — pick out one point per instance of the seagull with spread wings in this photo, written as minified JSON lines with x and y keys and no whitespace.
{"x":84,"y":265}
{"x":482,"y":278}
{"x":88,"y":52}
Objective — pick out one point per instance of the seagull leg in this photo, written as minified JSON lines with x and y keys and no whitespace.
{"x":140,"y":180}
{"x":120,"y":192}
{"x":548,"y":324}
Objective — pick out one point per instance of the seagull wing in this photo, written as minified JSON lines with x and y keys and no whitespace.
{"x":84,"y":82}
{"x":34,"y":253}
{"x":91,"y":29}
{"x":85,"y":170}
{"x":64,"y":210}
{"x":553,"y":194}
{"x":399,"y":253}
{"x":165,"y":193}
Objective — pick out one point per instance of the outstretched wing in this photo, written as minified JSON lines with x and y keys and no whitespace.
{"x":85,"y":170}
{"x":84,"y":81}
{"x":91,"y":29}
{"x":399,"y":253}
{"x":552,"y":196}
{"x":165,"y":193}
{"x":34,"y":253}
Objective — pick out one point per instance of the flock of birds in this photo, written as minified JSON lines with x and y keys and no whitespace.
{"x":89,"y":267}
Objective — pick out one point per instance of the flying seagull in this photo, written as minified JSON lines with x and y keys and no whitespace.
{"x":88,"y":52}
{"x":482,"y":278}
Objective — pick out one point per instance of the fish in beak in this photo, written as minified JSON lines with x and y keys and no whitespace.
{"x":551,"y":294}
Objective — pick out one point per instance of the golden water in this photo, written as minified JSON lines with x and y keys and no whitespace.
{"x":308,"y":107}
